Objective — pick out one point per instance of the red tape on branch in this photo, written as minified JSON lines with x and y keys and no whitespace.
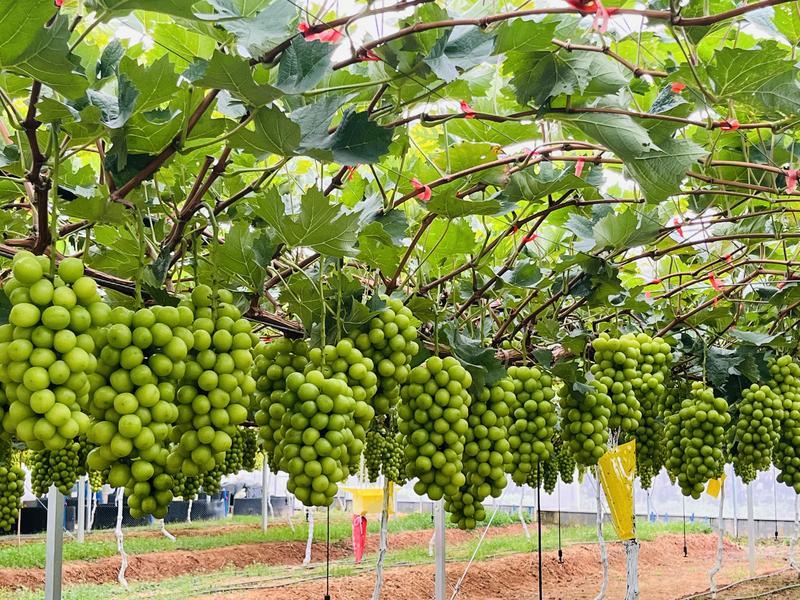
{"x":677,"y":222}
{"x":530,"y":238}
{"x":792,"y":176}
{"x":579,"y":166}
{"x":729,"y":125}
{"x":677,"y":87}
{"x":329,"y":35}
{"x":369,"y":56}
{"x":423,"y":191}
{"x":715,"y":282}
{"x":468,"y":111}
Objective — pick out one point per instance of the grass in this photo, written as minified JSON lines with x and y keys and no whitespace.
{"x":32,"y":554}
{"x":498,"y":545}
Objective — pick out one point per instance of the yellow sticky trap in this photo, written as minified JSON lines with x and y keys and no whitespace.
{"x":715,"y":486}
{"x":369,"y":500}
{"x":617,"y":470}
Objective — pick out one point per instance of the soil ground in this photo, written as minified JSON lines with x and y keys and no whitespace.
{"x":664,"y":574}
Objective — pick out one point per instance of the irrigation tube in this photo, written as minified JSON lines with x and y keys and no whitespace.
{"x":164,"y":531}
{"x":522,"y":516}
{"x":793,"y":541}
{"x":307,"y":558}
{"x":120,"y":540}
{"x":712,"y":573}
{"x":601,"y":541}
{"x":384,"y":541}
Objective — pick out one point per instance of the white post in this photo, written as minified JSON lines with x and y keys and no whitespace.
{"x":440,"y":580}
{"x":384,"y":541}
{"x":264,"y":496}
{"x":87,"y":510}
{"x":793,"y":540}
{"x":712,"y":573}
{"x":735,"y":510}
{"x":751,"y":531}
{"x":55,"y":544}
{"x":81,"y":509}
{"x":603,"y":553}
{"x":121,"y":540}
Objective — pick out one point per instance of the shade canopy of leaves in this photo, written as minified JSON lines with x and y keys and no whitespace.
{"x":511,"y":175}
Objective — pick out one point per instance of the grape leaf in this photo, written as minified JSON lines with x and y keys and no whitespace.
{"x":233,"y":74}
{"x":274,"y":132}
{"x":28,"y":19}
{"x":244,"y":255}
{"x":303,"y":64}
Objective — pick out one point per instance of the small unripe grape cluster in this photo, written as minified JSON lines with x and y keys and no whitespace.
{"x":211,"y":482}
{"x":785,"y":384}
{"x":533,"y":420}
{"x":56,"y":467}
{"x":186,"y":487}
{"x":373,"y":454}
{"x":274,"y":362}
{"x":47,"y":350}
{"x":12,"y":487}
{"x":390,"y":341}
{"x":249,"y":448}
{"x":566,"y":464}
{"x":317,"y":436}
{"x":149,"y":489}
{"x":215,"y":393}
{"x":584,"y":422}
{"x":97,"y":479}
{"x":756,"y":430}
{"x":433,"y":418}
{"x":487,"y":453}
{"x":550,"y":474}
{"x":695,"y":437}
{"x":234,"y":457}
{"x":616,"y":367}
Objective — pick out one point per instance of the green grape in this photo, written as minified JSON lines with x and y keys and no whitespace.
{"x":389,"y":340}
{"x":785,"y":384}
{"x":433,"y":418}
{"x":149,"y":489}
{"x":274,"y":362}
{"x":347,"y":363}
{"x":47,"y":351}
{"x":487,"y":453}
{"x":651,"y":390}
{"x":214,"y":393}
{"x":755,"y":431}
{"x":249,"y":448}
{"x":616,"y":367}
{"x":584,"y":422}
{"x":533,"y":420}
{"x":12,"y":487}
{"x":317,"y":435}
{"x":695,"y":439}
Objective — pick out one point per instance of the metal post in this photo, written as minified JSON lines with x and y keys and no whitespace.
{"x":80,"y":507}
{"x":55,"y":544}
{"x":440,"y":581}
{"x":264,"y":496}
{"x":751,"y":531}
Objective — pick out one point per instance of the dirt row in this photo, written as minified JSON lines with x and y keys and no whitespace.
{"x":160,"y":565}
{"x":664,"y":574}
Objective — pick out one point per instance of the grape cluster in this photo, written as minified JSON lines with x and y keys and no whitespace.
{"x":695,"y":437}
{"x":347,"y":364}
{"x":383,"y":452}
{"x":390,"y":341}
{"x":274,"y":362}
{"x":373,"y":454}
{"x":185,"y":487}
{"x":47,"y":350}
{"x":433,"y":418}
{"x":148,"y":488}
{"x":584,"y":422}
{"x":651,"y":389}
{"x":487,"y":453}
{"x":533,"y":420}
{"x":616,"y":367}
{"x":249,"y":448}
{"x":756,"y":431}
{"x":97,"y":480}
{"x":234,"y":457}
{"x":142,"y":360}
{"x":56,"y":467}
{"x":12,"y":487}
{"x":215,"y":393}
{"x":317,"y":436}
{"x":211,"y":482}
{"x":785,"y":384}
{"x":566,"y":464}
{"x":550,"y":474}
